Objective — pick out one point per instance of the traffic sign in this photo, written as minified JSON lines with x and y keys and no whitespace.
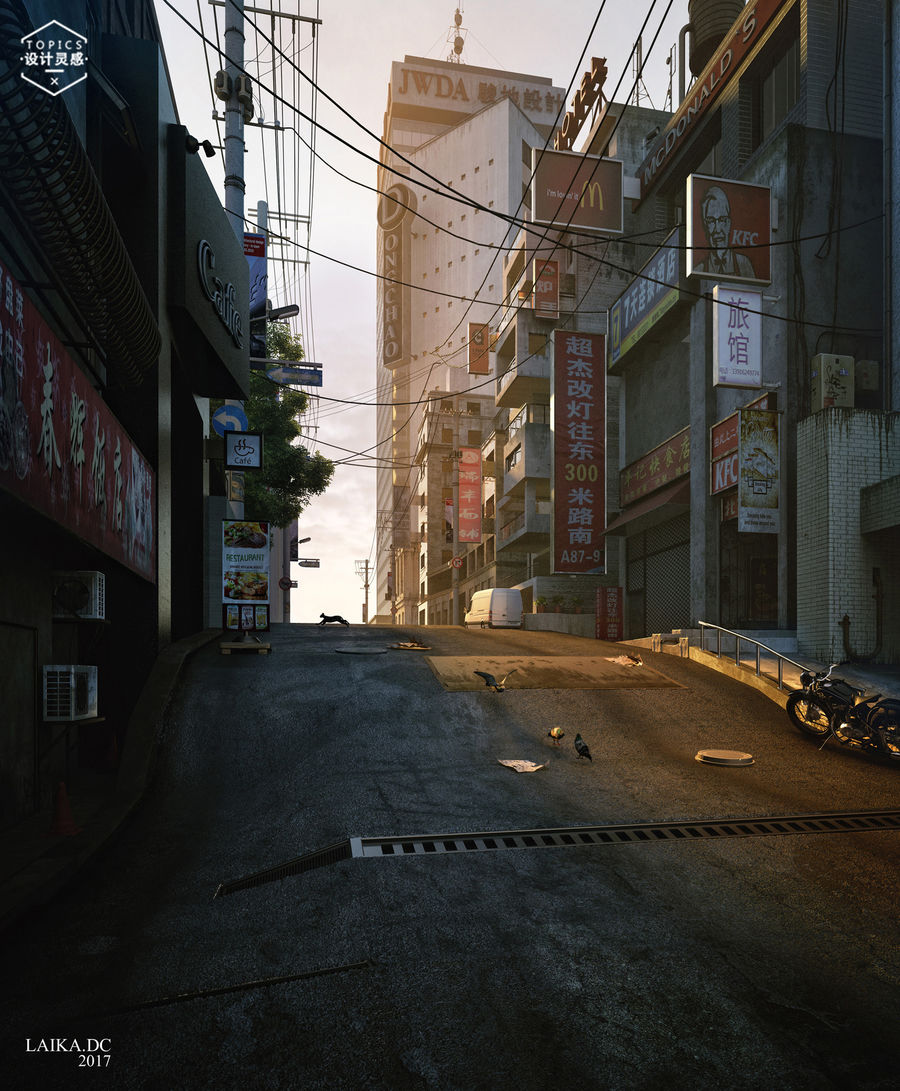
{"x":457,"y":562}
{"x":292,"y":375}
{"x":229,"y":418}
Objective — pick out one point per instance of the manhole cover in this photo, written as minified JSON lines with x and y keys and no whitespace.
{"x":724,"y":757}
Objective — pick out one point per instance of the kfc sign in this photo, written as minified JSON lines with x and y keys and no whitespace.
{"x":728,"y":230}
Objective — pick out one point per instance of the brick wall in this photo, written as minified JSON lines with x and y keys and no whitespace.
{"x":839,"y":453}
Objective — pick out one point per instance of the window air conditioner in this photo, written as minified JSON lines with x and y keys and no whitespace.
{"x":79,"y":594}
{"x":70,"y":692}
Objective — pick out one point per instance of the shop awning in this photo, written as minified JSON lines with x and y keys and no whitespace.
{"x":665,"y":503}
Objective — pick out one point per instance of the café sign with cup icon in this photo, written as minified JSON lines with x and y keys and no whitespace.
{"x":243,"y":450}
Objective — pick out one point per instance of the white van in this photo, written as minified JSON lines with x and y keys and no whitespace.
{"x":496,"y":607}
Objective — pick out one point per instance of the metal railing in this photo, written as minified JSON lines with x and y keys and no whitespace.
{"x":780,"y":659}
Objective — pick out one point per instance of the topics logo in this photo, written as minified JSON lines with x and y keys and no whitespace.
{"x":54,"y":58}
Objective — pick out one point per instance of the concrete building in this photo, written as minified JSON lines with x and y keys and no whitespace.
{"x":114,"y":330}
{"x":455,"y":272}
{"x":781,"y":514}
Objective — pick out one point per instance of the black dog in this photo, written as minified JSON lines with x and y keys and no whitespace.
{"x":333,"y":617}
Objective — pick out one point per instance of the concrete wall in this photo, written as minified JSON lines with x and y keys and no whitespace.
{"x":839,"y":453}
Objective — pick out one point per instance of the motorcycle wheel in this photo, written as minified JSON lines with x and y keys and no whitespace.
{"x":808,"y":714}
{"x":885,"y":717}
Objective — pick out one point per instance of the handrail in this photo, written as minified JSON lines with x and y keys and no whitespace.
{"x":719,"y":629}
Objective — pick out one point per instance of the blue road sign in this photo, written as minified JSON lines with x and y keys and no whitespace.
{"x":293,"y":375}
{"x":230,"y":418}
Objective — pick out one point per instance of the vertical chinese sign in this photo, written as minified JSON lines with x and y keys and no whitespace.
{"x":245,"y":575}
{"x":545,"y":276}
{"x":737,"y":337}
{"x":759,"y":472}
{"x":479,"y":347}
{"x":579,"y":452}
{"x":470,"y":495}
{"x":62,"y":451}
{"x":255,"y":252}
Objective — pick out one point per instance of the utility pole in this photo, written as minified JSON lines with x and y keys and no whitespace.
{"x":362,"y":570}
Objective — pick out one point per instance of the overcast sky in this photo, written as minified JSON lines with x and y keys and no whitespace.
{"x":357,"y":41}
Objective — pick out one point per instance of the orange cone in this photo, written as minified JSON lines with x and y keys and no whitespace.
{"x":63,"y":824}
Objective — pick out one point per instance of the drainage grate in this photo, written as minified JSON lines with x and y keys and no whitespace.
{"x":571,"y":836}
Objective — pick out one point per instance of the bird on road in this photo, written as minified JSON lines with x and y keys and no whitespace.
{"x":491,"y":682}
{"x":582,"y":747}
{"x":556,"y":733}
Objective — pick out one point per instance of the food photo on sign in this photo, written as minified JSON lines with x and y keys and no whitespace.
{"x":245,"y":575}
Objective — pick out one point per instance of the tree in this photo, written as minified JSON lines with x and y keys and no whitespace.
{"x":290,"y":476}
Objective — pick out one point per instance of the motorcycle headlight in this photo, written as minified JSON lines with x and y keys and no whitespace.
{"x":805,"y":678}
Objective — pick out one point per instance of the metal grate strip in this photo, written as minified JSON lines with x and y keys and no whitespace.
{"x":568,"y":836}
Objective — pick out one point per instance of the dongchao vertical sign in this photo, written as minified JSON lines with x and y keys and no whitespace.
{"x":395,"y":210}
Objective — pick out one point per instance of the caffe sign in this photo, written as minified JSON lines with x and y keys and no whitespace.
{"x":222,"y":296}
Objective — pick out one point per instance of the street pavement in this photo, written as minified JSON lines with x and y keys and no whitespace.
{"x":659,"y":966}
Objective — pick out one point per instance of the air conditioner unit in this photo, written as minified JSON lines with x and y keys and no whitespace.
{"x":70,"y":692}
{"x":831,"y":381}
{"x":79,"y":594}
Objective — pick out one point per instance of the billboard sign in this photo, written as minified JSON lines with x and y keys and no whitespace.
{"x":737,"y":337}
{"x":245,"y":575}
{"x":545,"y":278}
{"x":62,"y":450}
{"x":729,"y":227}
{"x":582,"y":192}
{"x":653,"y":292}
{"x":579,"y":452}
{"x":243,"y":450}
{"x":469,"y":470}
{"x":759,"y":472}
{"x":255,"y":253}
{"x":658,"y":467}
{"x":479,"y":347}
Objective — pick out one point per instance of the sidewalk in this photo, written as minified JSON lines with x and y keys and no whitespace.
{"x":35,"y":864}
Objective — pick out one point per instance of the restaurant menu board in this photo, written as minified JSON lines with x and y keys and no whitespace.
{"x":245,"y":575}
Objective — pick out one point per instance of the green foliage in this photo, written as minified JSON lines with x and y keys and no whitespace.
{"x":290,"y":476}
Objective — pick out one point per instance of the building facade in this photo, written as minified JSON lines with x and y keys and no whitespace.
{"x":123,"y":304}
{"x":769,"y":359}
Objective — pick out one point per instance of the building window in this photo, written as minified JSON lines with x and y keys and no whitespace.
{"x":474,"y":408}
{"x":513,"y":457}
{"x":779,"y":90}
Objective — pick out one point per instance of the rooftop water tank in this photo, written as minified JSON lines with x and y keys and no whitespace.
{"x":710,"y":21}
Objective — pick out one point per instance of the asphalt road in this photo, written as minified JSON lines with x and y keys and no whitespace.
{"x":755,"y":962}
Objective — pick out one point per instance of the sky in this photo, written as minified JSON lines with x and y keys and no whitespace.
{"x":357,"y":41}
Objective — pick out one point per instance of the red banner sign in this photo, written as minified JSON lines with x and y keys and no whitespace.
{"x":479,"y":347}
{"x":657,"y":468}
{"x":61,"y":449}
{"x":470,"y":495}
{"x":579,"y":452}
{"x":545,"y":277}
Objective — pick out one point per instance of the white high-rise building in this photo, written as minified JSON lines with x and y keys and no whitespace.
{"x":453,"y":129}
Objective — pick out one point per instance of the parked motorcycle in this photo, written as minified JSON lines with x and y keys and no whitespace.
{"x":830,"y":707}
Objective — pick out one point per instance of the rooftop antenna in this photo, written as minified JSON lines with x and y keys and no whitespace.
{"x":457,"y":37}
{"x":640,"y":88}
{"x":670,"y":61}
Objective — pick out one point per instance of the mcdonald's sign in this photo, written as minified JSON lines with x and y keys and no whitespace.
{"x":580,"y":191}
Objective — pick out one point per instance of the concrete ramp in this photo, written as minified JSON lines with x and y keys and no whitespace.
{"x":456,"y":672}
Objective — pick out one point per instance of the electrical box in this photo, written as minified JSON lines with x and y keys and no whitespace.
{"x":832,"y":382}
{"x":222,"y":86}
{"x":70,"y":692}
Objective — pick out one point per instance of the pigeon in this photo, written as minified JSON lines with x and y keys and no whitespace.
{"x":556,"y":733}
{"x":582,"y":747}
{"x":491,"y":681}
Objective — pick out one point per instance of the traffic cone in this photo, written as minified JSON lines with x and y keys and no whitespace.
{"x":63,"y":824}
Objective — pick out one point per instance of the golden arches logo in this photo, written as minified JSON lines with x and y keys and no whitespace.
{"x":590,"y":190}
